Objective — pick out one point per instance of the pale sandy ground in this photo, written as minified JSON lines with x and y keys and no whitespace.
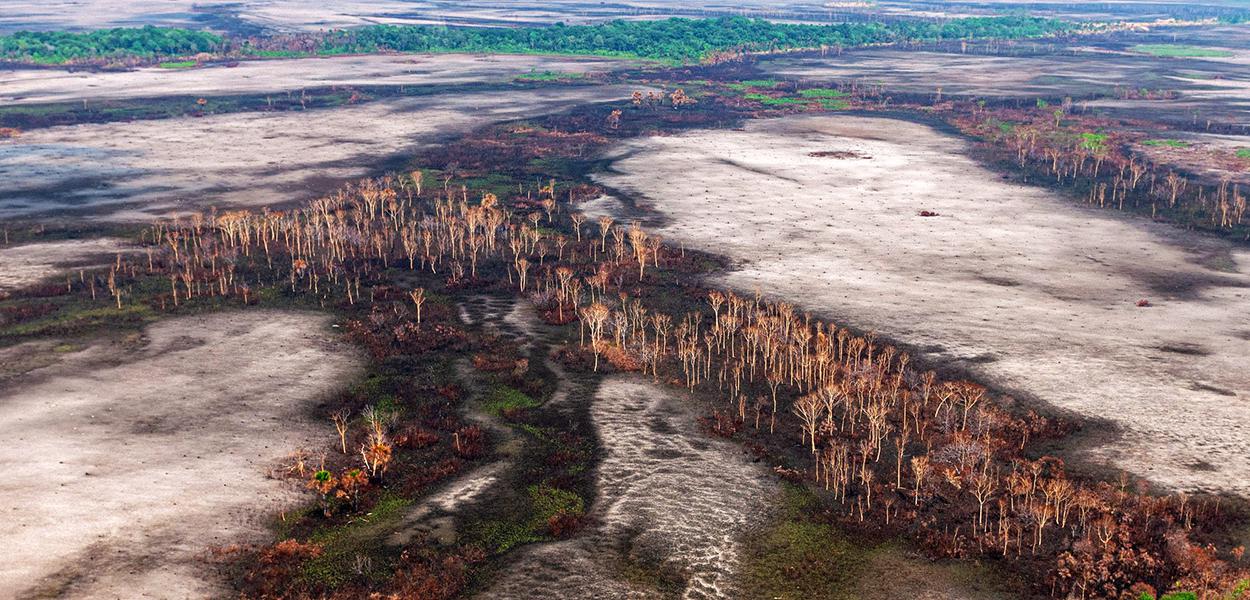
{"x":670,"y":500}
{"x":32,"y":86}
{"x":124,"y":466}
{"x":1026,"y":289}
{"x":145,"y":169}
{"x":28,"y":264}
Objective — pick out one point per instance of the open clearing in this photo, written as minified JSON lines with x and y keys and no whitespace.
{"x":125,"y":465}
{"x":1022,"y":287}
{"x":147,"y":169}
{"x":30,"y":86}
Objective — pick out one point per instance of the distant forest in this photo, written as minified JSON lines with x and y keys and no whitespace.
{"x":673,"y":40}
{"x":58,"y":47}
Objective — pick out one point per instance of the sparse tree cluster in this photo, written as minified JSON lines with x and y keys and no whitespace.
{"x":892,"y":445}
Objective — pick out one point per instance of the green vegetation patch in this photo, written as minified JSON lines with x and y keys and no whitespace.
{"x":823,"y":93}
{"x":551,"y":502}
{"x":1166,"y":143}
{"x":528,"y":523}
{"x":1243,"y":153}
{"x":344,"y":546}
{"x":798,"y":558}
{"x":748,"y":84}
{"x":181,"y":64}
{"x":57,"y":47}
{"x":1180,"y":51}
{"x":501,"y":398}
{"x":829,"y":103}
{"x":1094,"y":142}
{"x":498,"y":537}
{"x":79,"y":318}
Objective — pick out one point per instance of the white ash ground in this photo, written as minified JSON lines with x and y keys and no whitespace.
{"x":279,"y":76}
{"x":143,"y":170}
{"x":28,"y":264}
{"x":125,"y":466}
{"x":1027,"y":289}
{"x":669,"y":500}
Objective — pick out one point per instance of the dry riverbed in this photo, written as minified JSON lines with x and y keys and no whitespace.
{"x":126,"y":462}
{"x":1024,"y":288}
{"x":672,"y":507}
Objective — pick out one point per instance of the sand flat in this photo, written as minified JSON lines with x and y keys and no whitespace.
{"x":124,"y":467}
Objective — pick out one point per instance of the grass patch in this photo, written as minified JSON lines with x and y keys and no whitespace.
{"x":180,"y":64}
{"x":745,"y":85}
{"x":362,"y":537}
{"x":1180,"y":51}
{"x":829,"y":103}
{"x":551,"y":501}
{"x":823,"y":93}
{"x":1166,"y":143}
{"x":834,"y":104}
{"x":797,"y":558}
{"x":1243,"y":153}
{"x":498,"y":537}
{"x":501,"y":398}
{"x":70,"y":321}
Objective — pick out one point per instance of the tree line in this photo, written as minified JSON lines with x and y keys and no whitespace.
{"x":674,"y":40}
{"x":59,"y":47}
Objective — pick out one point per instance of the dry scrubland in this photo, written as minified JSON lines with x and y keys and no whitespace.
{"x":30,"y":86}
{"x":126,"y":461}
{"x":141,"y":170}
{"x":1026,"y":289}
